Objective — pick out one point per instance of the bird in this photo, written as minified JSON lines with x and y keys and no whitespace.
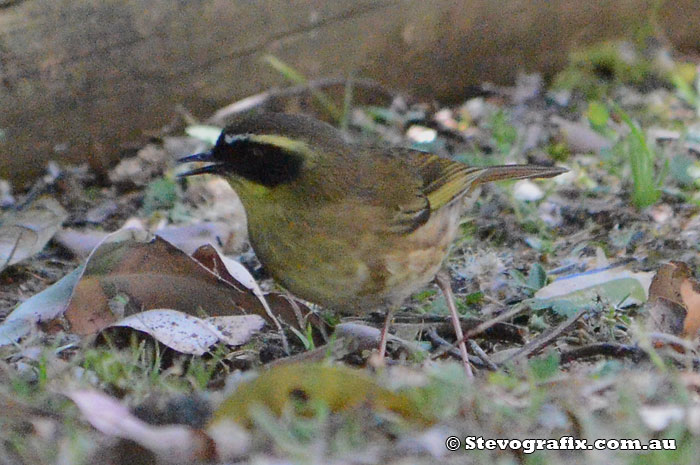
{"x":353,"y":228}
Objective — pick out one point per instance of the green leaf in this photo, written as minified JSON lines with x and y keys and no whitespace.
{"x":301,"y":386}
{"x":474,"y":298}
{"x":537,"y":277}
{"x":566,"y":308}
{"x":518,"y":277}
{"x":561,"y":307}
{"x":504,"y":134}
{"x":598,"y":115}
{"x":160,"y":195}
{"x":678,"y":168}
{"x":545,"y":367}
{"x":615,"y":285}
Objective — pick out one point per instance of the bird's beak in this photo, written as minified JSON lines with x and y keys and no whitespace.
{"x":205,"y":157}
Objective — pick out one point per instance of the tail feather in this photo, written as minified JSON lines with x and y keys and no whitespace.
{"x":502,"y":172}
{"x":445,"y":180}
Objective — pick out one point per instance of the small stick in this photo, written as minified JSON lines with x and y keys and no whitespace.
{"x":535,"y":346}
{"x":608,"y":349}
{"x":482,"y":355}
{"x":438,"y":341}
{"x":384,"y":335}
{"x":443,"y":282}
{"x":481,"y":328}
{"x":490,"y":323}
{"x":435,"y":338}
{"x":665,"y":338}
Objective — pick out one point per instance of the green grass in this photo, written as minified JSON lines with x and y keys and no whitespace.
{"x":503,"y":132}
{"x":646,"y":180}
{"x":296,"y":77}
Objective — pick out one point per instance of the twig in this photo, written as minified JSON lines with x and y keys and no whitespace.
{"x":438,"y":341}
{"x":482,"y":355}
{"x":258,"y":100}
{"x":535,"y":346}
{"x":490,"y":323}
{"x":278,"y":325}
{"x":482,"y":327}
{"x":670,"y":339}
{"x":446,"y":347}
{"x":504,"y":332}
{"x":443,"y":281}
{"x":295,"y":308}
{"x":608,"y":349}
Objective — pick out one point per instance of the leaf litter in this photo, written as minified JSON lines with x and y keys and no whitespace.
{"x":579,"y":346}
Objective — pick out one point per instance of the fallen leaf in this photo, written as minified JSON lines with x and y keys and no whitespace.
{"x":302,"y":385}
{"x":208,"y":134}
{"x":660,"y":417}
{"x":666,"y":316}
{"x":52,"y":301}
{"x":25,"y":233}
{"x":225,"y":268}
{"x":421,"y":134}
{"x":527,"y":191}
{"x":6,"y":197}
{"x":99,"y":213}
{"x":616,"y":284}
{"x":580,"y":138}
{"x":189,"y":237}
{"x":137,"y":272}
{"x":44,"y":306}
{"x":233,"y":272}
{"x":674,"y":298}
{"x":171,"y":443}
{"x":151,"y":274}
{"x":191,"y":335}
{"x":80,"y":242}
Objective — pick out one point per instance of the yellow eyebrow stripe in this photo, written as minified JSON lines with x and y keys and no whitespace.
{"x":291,"y":145}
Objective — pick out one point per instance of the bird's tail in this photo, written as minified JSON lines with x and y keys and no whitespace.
{"x":502,"y":172}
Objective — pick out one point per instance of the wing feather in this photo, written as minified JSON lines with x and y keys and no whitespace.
{"x":427,"y":183}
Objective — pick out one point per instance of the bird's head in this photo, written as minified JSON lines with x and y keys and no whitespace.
{"x":268,"y":149}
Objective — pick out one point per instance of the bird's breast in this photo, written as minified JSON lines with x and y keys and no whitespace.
{"x":340,"y":260}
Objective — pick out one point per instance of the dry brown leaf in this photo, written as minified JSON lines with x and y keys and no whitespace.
{"x":209,"y":257}
{"x":674,"y":298}
{"x":129,"y":273}
{"x":150,"y":275}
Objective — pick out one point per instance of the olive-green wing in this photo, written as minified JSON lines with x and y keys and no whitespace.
{"x":384,"y":180}
{"x":421,"y":183}
{"x":445,"y":180}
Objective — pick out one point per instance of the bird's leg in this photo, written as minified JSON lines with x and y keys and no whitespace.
{"x":385,"y":334}
{"x":443,"y":282}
